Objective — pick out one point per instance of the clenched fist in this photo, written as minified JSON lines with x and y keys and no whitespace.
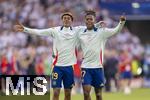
{"x":122,"y":18}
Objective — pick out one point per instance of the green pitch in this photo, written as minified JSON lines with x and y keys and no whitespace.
{"x":137,"y":94}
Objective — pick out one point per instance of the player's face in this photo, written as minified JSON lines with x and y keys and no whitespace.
{"x":89,"y":21}
{"x":67,"y":21}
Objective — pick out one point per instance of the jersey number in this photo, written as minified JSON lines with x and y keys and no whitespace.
{"x":83,"y":73}
{"x":54,"y":76}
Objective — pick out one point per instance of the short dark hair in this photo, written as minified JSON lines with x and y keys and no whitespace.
{"x":67,"y":13}
{"x":90,"y":12}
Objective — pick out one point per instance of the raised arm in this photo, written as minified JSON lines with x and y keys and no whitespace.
{"x":43,"y":32}
{"x":107,"y":32}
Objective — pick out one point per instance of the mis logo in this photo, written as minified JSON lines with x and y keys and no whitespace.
{"x":26,"y":85}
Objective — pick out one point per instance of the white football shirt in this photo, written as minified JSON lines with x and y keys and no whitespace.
{"x":64,"y":42}
{"x":93,"y":42}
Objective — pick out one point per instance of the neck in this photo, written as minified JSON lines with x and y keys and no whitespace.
{"x":90,"y":28}
{"x":66,"y":26}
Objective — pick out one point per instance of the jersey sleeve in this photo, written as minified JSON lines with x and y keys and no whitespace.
{"x":108,"y":32}
{"x":41,"y":32}
{"x":80,"y":28}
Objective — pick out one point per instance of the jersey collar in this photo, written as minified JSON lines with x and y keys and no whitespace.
{"x":94,"y":28}
{"x":61,"y":28}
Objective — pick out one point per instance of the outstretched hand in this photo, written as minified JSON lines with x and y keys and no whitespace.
{"x":122,"y":18}
{"x":102,"y":24}
{"x":18,"y":27}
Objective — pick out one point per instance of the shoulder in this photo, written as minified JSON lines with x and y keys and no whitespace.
{"x":56,"y":28}
{"x":80,"y":27}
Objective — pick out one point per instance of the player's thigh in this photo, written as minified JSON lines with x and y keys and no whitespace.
{"x":86,"y":77}
{"x":68,"y":77}
{"x":98,"y":78}
{"x":56,"y":77}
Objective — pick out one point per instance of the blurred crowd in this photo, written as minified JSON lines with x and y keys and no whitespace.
{"x":24,"y":54}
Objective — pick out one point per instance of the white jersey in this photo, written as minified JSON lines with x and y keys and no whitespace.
{"x":64,"y":43}
{"x":93,"y":42}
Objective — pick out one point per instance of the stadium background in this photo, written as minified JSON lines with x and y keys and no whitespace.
{"x":24,"y":54}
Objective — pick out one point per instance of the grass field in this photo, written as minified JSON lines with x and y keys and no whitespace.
{"x":137,"y":94}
